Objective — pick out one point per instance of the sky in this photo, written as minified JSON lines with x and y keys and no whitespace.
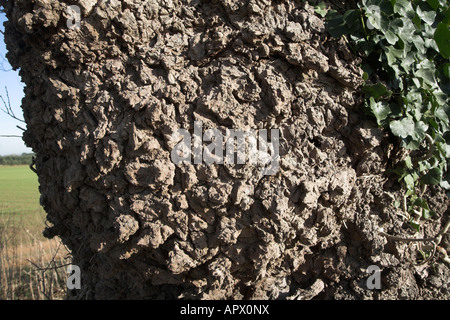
{"x":11,"y":80}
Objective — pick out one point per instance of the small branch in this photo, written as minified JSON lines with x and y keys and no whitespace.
{"x":48,"y":266}
{"x":396,"y":238}
{"x":445,"y":257}
{"x":442,"y":232}
{"x":364,"y":24}
{"x":7,"y":107}
{"x":405,"y":207}
{"x":55,"y":267}
{"x":9,"y":136}
{"x":52,"y":266}
{"x":434,"y":242}
{"x":2,"y":68}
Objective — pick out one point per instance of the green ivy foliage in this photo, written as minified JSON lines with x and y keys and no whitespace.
{"x":405,"y":45}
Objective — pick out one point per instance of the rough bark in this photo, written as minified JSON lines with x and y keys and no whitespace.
{"x":102,"y":102}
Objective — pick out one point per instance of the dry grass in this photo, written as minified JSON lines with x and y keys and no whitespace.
{"x":32,"y":268}
{"x":28,"y":261}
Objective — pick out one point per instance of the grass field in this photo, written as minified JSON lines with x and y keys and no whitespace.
{"x":28,"y":261}
{"x":18,"y":189}
{"x":19,"y":202}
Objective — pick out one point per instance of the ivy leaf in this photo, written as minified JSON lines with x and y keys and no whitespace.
{"x":432,"y":177}
{"x":384,"y":5}
{"x":419,"y":43}
{"x":412,"y":132}
{"x":377,"y":12}
{"x":392,"y":54}
{"x":433,"y":3}
{"x":379,"y":109}
{"x":441,"y":98}
{"x":426,"y":70}
{"x":446,"y":70}
{"x":420,"y":129}
{"x":338,"y":25}
{"x":441,"y":113}
{"x":406,"y":33}
{"x":408,"y":162}
{"x":404,"y":8}
{"x":427,"y":213}
{"x":445,"y":183}
{"x":444,"y":148}
{"x":402,"y":128}
{"x":446,"y":19}
{"x":423,"y":204}
{"x":442,"y":38}
{"x":415,"y":226}
{"x":426,"y":16}
{"x":376,"y":91}
{"x":391,"y":37}
{"x":408,"y":62}
{"x":410,"y":144}
{"x":409,"y":181}
{"x":374,"y":17}
{"x":321,"y":9}
{"x":430,"y":43}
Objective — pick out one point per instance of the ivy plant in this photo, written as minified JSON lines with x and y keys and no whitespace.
{"x":405,"y":45}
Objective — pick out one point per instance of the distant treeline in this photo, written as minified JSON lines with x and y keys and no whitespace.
{"x":24,"y":158}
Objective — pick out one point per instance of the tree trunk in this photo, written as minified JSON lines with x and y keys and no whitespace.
{"x":103,"y":101}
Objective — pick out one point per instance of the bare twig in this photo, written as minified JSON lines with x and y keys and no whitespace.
{"x":442,"y":232}
{"x":3,"y":59}
{"x":7,"y":107}
{"x":445,"y":257}
{"x":396,"y":238}
{"x":435,"y":241}
{"x":51,"y":266}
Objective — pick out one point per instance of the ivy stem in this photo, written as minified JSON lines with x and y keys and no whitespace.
{"x":443,"y":231}
{"x":397,"y":238}
{"x":424,"y":189}
{"x":364,"y":24}
{"x":430,"y":152}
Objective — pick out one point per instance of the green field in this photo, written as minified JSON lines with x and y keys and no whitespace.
{"x":19,"y":201}
{"x":18,"y":189}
